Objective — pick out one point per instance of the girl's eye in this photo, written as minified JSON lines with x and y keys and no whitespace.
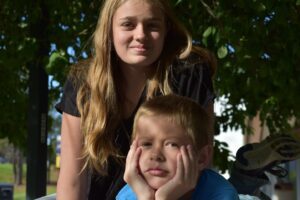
{"x":154,"y":26}
{"x":127,"y":25}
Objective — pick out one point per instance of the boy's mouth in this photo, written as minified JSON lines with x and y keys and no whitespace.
{"x":156,"y":171}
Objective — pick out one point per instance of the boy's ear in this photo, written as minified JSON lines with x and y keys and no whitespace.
{"x":205,"y":156}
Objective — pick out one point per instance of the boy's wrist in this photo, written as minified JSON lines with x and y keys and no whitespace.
{"x":163,"y":197}
{"x":143,"y":197}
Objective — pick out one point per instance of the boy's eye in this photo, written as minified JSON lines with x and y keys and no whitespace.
{"x":173,"y":144}
{"x":145,"y":144}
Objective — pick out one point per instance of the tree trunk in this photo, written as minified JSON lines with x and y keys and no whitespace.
{"x":17,"y":166}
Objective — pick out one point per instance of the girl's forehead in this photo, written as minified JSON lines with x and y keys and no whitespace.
{"x":152,"y":2}
{"x":138,"y":9}
{"x":131,"y":3}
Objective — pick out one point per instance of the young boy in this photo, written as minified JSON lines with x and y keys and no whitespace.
{"x":171,"y":148}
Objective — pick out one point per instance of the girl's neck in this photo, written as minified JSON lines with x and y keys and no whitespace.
{"x":132,"y":78}
{"x":132,"y":85}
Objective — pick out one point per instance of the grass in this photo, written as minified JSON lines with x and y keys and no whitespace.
{"x":6,"y":176}
{"x":6,"y":173}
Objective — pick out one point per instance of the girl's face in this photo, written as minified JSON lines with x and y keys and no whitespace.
{"x":139,"y":31}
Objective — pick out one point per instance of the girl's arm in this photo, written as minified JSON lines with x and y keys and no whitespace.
{"x":72,"y":184}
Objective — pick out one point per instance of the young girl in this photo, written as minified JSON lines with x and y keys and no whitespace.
{"x":140,"y":51}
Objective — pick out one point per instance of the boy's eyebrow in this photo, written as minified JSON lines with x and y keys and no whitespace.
{"x":142,"y":137}
{"x":175,"y":137}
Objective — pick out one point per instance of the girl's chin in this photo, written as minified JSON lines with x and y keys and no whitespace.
{"x":141,"y":62}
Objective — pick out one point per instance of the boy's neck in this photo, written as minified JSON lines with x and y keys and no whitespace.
{"x":188,"y":195}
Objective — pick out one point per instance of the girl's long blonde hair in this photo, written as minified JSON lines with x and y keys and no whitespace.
{"x":99,"y":96}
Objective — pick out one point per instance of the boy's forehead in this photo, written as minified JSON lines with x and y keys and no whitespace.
{"x":157,"y":119}
{"x":162,"y":124}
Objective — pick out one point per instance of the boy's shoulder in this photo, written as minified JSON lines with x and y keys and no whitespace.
{"x":213,"y":186}
{"x":209,"y":176}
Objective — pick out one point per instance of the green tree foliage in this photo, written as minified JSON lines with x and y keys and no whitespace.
{"x":15,"y":50}
{"x":256,"y":43}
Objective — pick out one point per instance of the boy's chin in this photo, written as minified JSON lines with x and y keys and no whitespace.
{"x":156,"y":184}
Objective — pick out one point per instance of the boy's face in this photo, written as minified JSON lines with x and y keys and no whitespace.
{"x":160,"y":140}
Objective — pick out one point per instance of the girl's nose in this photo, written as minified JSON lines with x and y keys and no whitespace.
{"x":140,"y":33}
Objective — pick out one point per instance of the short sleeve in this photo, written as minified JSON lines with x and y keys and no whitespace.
{"x":192,"y":78}
{"x":126,"y":193}
{"x":67,"y":103}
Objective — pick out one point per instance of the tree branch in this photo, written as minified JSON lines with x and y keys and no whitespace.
{"x":209,"y":10}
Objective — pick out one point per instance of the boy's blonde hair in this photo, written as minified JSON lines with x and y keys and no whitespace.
{"x":179,"y":110}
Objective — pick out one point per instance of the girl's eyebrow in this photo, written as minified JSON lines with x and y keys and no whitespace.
{"x":133,"y":18}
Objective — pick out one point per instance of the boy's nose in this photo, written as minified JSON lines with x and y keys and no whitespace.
{"x":157,"y":155}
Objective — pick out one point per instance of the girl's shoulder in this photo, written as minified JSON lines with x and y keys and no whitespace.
{"x":192,"y":77}
{"x":79,"y":71}
{"x":198,"y":60}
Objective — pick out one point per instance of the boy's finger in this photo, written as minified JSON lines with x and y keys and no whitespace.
{"x":185,"y":159}
{"x":136,"y":156}
{"x":180,"y":167}
{"x":131,"y":151}
{"x":191,"y":152}
{"x":192,"y":156}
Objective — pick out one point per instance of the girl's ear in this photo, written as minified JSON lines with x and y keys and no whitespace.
{"x":205,"y":156}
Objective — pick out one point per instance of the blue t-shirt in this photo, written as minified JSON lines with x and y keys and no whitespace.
{"x":210,"y":186}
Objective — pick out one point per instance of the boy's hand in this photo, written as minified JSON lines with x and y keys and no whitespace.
{"x":132,"y":174}
{"x":185,"y":179}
